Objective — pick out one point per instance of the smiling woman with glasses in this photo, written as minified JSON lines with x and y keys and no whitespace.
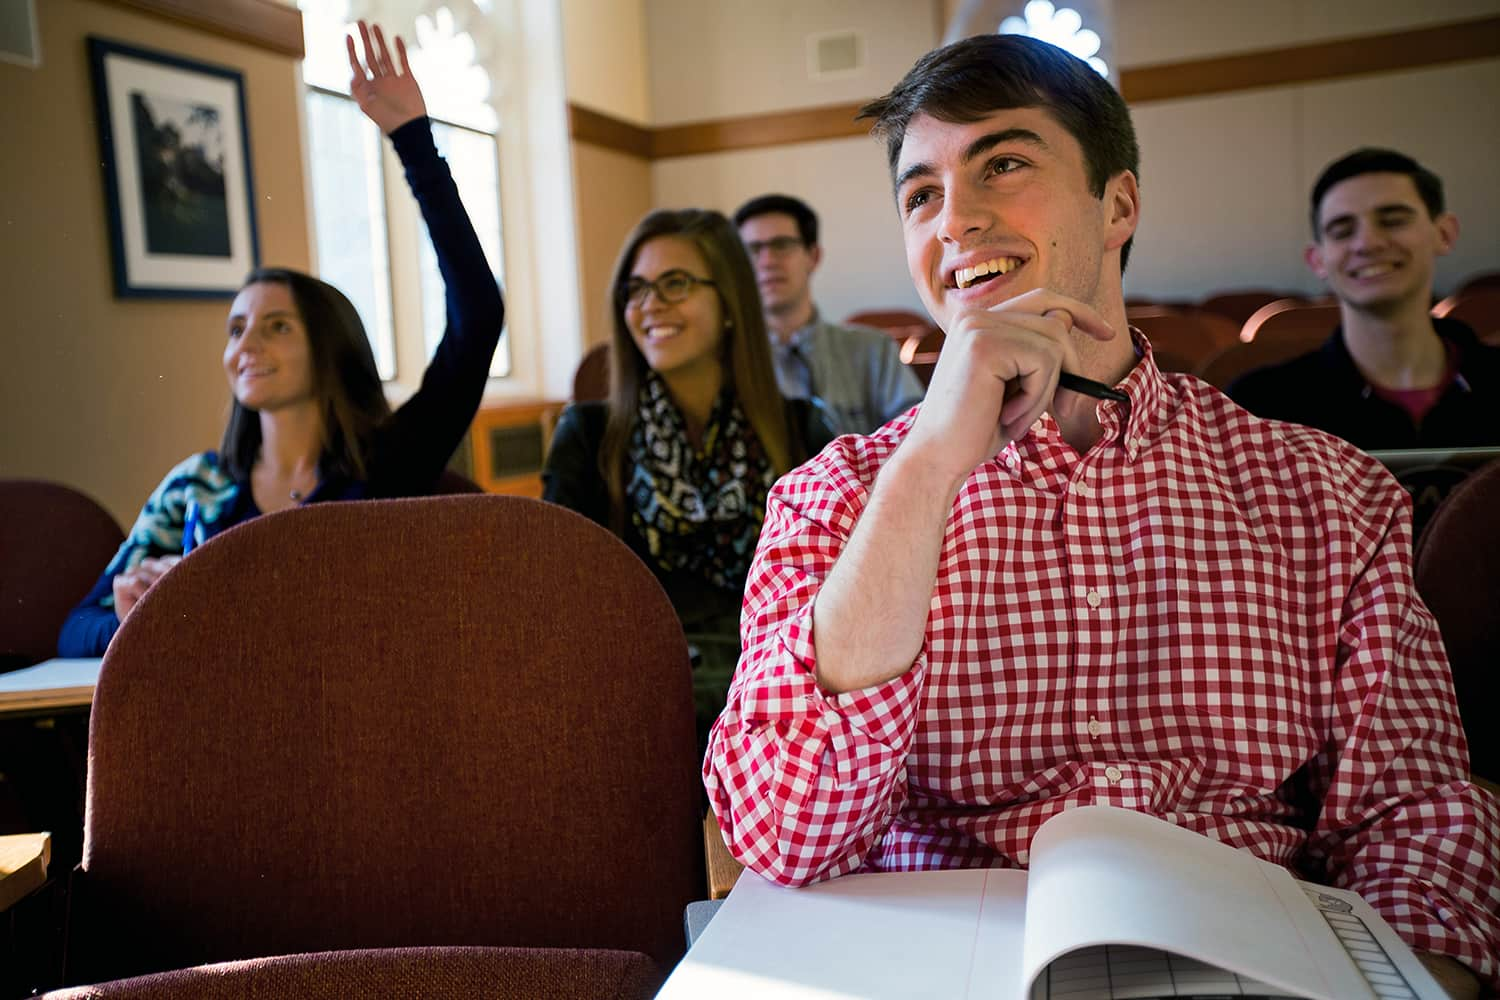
{"x":679,"y":461}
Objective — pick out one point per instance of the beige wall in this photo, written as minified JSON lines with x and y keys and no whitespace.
{"x":611,"y":192}
{"x":604,"y":53}
{"x":101,"y":394}
{"x":1224,"y":177}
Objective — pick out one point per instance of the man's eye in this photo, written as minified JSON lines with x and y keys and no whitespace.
{"x":1005,"y":165}
{"x":235,"y":331}
{"x":916,"y":200}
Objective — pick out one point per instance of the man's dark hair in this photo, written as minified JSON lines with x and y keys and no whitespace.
{"x":1372,"y":160}
{"x":785,"y":204}
{"x":971,"y":79}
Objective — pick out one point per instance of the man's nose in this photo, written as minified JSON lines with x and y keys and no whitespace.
{"x":964,"y":213}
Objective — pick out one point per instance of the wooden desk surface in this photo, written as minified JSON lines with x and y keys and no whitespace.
{"x":23,"y":865}
{"x":49,"y":685}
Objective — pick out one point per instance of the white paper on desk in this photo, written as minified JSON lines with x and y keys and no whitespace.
{"x":911,"y":935}
{"x":1099,"y":876}
{"x":50,"y":674}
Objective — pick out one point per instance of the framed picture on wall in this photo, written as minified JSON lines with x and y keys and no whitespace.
{"x":176,"y":153}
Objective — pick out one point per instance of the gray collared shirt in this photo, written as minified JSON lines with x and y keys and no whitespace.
{"x":855,"y":371}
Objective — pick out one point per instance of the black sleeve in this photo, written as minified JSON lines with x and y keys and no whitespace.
{"x":414,"y":445}
{"x":571,"y":475}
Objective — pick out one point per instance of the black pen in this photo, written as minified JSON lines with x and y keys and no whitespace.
{"x":1088,"y":387}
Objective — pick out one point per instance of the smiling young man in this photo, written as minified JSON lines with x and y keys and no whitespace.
{"x":857,"y":373}
{"x":1020,"y":599}
{"x":1390,"y":376}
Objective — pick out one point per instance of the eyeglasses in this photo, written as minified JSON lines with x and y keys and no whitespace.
{"x":672,"y":287}
{"x":778,"y":245}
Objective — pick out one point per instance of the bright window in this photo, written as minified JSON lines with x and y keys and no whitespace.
{"x":1063,"y":27}
{"x":357,"y":185}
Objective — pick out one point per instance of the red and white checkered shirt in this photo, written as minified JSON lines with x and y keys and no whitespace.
{"x":1208,"y":617}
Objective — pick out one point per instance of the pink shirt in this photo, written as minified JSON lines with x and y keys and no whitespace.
{"x":1208,"y":617}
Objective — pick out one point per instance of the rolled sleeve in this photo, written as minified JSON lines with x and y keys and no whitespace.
{"x":1401,"y":824}
{"x":804,"y":782}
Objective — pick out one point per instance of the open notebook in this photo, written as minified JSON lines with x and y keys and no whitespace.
{"x":1117,"y":904}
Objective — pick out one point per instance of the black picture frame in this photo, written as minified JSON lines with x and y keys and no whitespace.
{"x":174,"y":143}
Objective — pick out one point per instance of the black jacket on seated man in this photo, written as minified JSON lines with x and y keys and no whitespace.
{"x":1325,"y":389}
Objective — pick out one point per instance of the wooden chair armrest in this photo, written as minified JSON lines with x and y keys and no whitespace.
{"x":23,"y":865}
{"x":722,"y":869}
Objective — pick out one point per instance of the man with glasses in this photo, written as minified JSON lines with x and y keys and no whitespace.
{"x":857,"y":373}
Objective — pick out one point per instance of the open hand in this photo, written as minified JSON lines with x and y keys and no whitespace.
{"x":387,"y":93}
{"x":130,"y":586}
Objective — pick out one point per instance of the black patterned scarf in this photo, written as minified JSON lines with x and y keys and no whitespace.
{"x":699,"y":510}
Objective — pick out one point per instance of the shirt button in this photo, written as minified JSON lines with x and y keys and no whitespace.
{"x":1095,"y":727}
{"x":1113,"y":774}
{"x":1083,"y":489}
{"x":1094,"y":599}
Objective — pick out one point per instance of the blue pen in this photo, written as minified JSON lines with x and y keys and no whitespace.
{"x":190,"y":527}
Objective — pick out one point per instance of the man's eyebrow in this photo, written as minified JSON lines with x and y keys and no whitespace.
{"x":976,"y":148}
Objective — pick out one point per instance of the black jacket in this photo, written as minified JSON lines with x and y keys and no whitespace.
{"x":1325,"y":389}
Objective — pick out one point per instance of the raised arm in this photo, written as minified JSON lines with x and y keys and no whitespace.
{"x":417,"y":441}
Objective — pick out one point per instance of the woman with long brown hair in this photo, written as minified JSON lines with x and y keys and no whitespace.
{"x":308,"y":418}
{"x":679,"y":461}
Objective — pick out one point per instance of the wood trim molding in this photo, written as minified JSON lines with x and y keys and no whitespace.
{"x":1383,"y":53}
{"x":604,"y":130}
{"x":752,"y":131}
{"x":266,"y":23}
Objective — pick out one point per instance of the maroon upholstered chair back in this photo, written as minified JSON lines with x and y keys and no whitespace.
{"x":1479,"y":309}
{"x":460,"y":720}
{"x":54,"y":543}
{"x":1457,"y":567}
{"x":425,"y":973}
{"x":1239,"y":305}
{"x":591,"y":377}
{"x":1182,"y":339}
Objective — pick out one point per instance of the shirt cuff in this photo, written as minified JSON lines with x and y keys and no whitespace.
{"x":788,"y":693}
{"x":413,"y":139}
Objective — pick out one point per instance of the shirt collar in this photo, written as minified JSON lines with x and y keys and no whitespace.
{"x":802,"y":333}
{"x":1135,"y":423}
{"x":1129,"y":425}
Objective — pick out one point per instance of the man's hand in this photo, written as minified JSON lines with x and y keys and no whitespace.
{"x":1453,"y":977}
{"x":996,"y":375}
{"x":388,"y":94}
{"x":129,"y":587}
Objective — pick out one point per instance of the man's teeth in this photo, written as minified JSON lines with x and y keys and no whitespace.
{"x":966,"y":276}
{"x":1370,"y":270}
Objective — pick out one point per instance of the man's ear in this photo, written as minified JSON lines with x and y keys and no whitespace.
{"x":1122,"y":206}
{"x":1313,"y":254}
{"x":816,"y":252}
{"x":1447,"y":227}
